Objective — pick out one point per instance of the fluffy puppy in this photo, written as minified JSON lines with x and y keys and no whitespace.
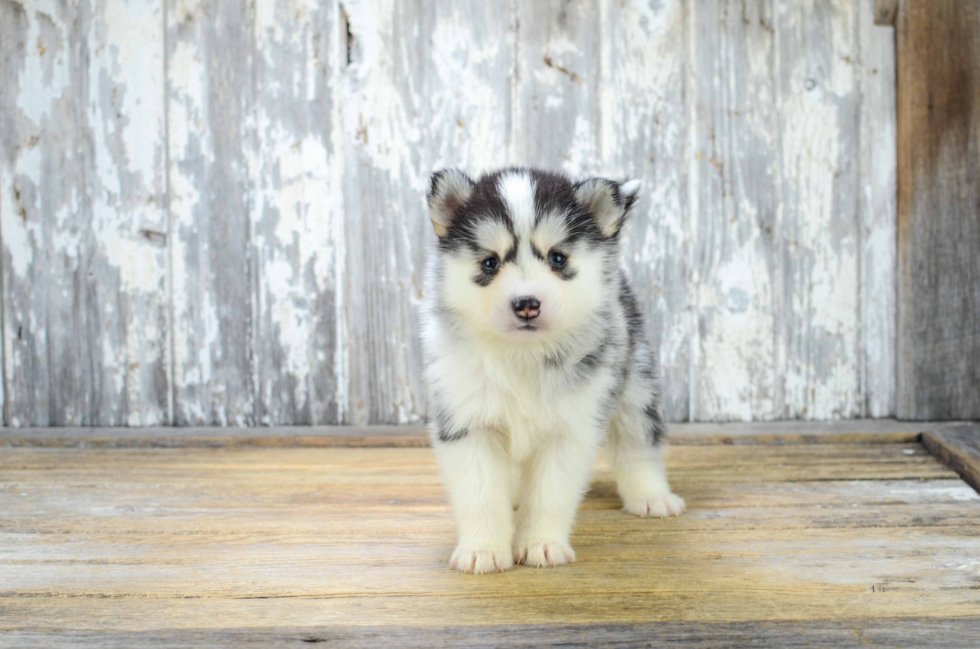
{"x":535,"y":355}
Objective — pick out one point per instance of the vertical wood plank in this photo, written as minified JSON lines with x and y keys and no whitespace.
{"x":644,"y":133}
{"x":209,"y":104}
{"x":469,"y":86}
{"x":383,"y":121}
{"x":298,"y":215}
{"x":819,"y":117}
{"x":878,"y":208}
{"x":938,"y":209}
{"x":735,"y":264}
{"x":556,"y":98}
{"x":84,"y":230}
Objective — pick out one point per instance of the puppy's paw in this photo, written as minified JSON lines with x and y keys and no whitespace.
{"x":537,"y":555}
{"x":656,"y":506}
{"x":481,"y":561}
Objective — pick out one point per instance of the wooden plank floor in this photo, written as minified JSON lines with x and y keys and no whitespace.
{"x":853,"y":544}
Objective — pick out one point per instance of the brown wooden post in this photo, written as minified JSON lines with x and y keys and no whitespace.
{"x":938,"y":209}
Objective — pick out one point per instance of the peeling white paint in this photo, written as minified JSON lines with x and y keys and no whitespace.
{"x":765,"y":270}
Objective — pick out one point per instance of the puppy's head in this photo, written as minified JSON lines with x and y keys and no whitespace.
{"x":527,"y":255}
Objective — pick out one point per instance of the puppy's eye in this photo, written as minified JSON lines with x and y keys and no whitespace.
{"x":556,"y":259}
{"x":490,"y":264}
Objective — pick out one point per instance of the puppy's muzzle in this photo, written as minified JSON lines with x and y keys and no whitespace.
{"x":527,"y":307}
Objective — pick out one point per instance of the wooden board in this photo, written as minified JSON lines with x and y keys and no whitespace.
{"x":959,"y":449}
{"x":843,"y":634}
{"x":938,"y":223}
{"x":382,"y":122}
{"x":866,"y":431}
{"x":877,"y":205}
{"x":297,"y":216}
{"x":82,"y":214}
{"x":350,"y":545}
{"x":210,"y":103}
{"x":733,"y":232}
{"x":245,"y":245}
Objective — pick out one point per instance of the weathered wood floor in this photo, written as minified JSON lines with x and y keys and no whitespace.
{"x":850,"y":540}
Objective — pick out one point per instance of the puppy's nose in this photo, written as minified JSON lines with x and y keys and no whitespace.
{"x":527,"y":307}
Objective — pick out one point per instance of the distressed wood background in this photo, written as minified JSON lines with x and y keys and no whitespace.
{"x":212,"y":211}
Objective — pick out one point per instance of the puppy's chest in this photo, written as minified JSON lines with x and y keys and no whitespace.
{"x":532,"y":403}
{"x":527,"y":398}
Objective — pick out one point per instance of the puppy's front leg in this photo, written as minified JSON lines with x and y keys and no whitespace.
{"x":478,"y":475}
{"x":553,"y":482}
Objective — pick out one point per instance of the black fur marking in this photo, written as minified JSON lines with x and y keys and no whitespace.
{"x":647,"y":371}
{"x":484,"y":278}
{"x":657,"y":429}
{"x":634,"y":319}
{"x":511,"y":254}
{"x":485,"y":203}
{"x":566,"y":273}
{"x":454,"y":436}
{"x":445,"y":430}
{"x":555,"y":194}
{"x":593,"y":359}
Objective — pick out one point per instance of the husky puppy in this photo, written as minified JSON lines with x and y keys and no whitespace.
{"x":535,"y":355}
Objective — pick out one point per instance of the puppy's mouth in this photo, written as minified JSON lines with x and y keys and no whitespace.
{"x":528,"y":327}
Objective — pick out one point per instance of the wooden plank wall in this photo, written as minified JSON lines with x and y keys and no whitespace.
{"x":939,"y":209}
{"x":212,"y":211}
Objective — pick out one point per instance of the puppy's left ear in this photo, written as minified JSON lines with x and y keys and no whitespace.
{"x":448,"y":192}
{"x":607,"y":201}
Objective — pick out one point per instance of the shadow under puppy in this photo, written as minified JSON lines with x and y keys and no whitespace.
{"x":536,"y":354}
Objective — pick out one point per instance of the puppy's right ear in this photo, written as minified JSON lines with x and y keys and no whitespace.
{"x":448,"y":193}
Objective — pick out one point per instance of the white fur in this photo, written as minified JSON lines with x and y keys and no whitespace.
{"x":517,"y":190}
{"x":533,"y":431}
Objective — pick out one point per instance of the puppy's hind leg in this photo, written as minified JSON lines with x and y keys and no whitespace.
{"x":478,"y":474}
{"x":635,"y":446}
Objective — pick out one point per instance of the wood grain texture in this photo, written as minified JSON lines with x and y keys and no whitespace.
{"x":257,"y":249}
{"x":866,"y":431}
{"x":819,"y":234}
{"x":939,"y":210}
{"x":959,"y":449}
{"x":297,"y":221}
{"x":911,"y":633}
{"x":384,"y":122}
{"x":82,"y":190}
{"x":210,"y":102}
{"x":878,"y":207}
{"x":200,"y":543}
{"x":733,"y":261}
{"x":556,"y":96}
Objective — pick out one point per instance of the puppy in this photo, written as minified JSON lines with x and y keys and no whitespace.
{"x":535,"y":355}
